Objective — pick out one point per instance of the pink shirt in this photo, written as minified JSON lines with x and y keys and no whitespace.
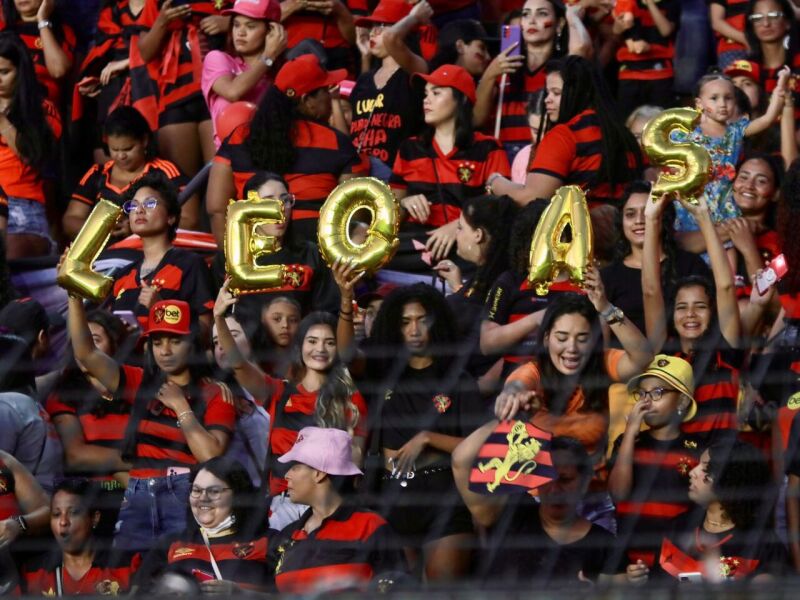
{"x":217,"y":64}
{"x":519,"y":168}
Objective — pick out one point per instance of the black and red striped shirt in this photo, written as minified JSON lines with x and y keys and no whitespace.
{"x":459,"y":174}
{"x":160,"y":443}
{"x":573,"y":153}
{"x":659,"y":491}
{"x":96,"y":183}
{"x":240,"y":559}
{"x":110,"y":575}
{"x":655,"y":63}
{"x":514,"y":127}
{"x":716,"y":392}
{"x":769,"y":80}
{"x":292,"y":407}
{"x":736,"y":17}
{"x":181,"y":275}
{"x":322,"y":155}
{"x":316,"y":26}
{"x":349,"y":549}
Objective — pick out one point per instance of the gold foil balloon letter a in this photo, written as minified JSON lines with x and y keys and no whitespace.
{"x":245,"y":244}
{"x":549,"y":254}
{"x":685,"y":166}
{"x":335,"y":216}
{"x":75,"y":273}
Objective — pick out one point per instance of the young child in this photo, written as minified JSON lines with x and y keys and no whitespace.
{"x":649,"y":477}
{"x":724,"y":140}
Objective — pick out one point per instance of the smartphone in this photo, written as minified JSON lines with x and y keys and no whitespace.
{"x":510,"y":35}
{"x":202,"y":576}
{"x":693,"y":577}
{"x":346,"y":88}
{"x":127,"y":316}
{"x":776,"y":269}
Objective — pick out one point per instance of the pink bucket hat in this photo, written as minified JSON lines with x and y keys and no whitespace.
{"x":326,"y":450}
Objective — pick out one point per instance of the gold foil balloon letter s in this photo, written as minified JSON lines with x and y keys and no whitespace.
{"x":375,"y":197}
{"x":245,"y":244}
{"x":686,"y":166}
{"x":549,"y":254}
{"x":75,"y":274}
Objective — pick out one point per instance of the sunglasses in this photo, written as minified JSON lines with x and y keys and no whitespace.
{"x":131,"y":206}
{"x":773,"y":15}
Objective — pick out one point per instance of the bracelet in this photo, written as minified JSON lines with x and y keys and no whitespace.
{"x":347,"y":318}
{"x":23,"y":524}
{"x":184,"y":414}
{"x":346,"y":312}
{"x":44,"y":24}
{"x":490,"y":181}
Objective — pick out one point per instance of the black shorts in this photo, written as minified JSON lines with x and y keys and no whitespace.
{"x":426,"y":509}
{"x":190,"y":110}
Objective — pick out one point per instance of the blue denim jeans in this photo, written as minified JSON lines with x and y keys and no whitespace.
{"x":151,"y":508}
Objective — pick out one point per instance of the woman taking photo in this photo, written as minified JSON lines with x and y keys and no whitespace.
{"x":704,"y":327}
{"x":588,"y":146}
{"x":435,"y":172}
{"x":258,"y":40}
{"x":29,"y":126}
{"x":80,"y":565}
{"x":320,"y":468}
{"x":179,"y":417}
{"x":163,"y":272}
{"x":622,"y":279}
{"x":224,"y":527}
{"x":290,"y":135}
{"x":319,"y":391}
{"x":130,"y":147}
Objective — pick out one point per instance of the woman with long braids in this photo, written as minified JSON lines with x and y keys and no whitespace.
{"x":180,"y":417}
{"x":28,"y":127}
{"x":589,"y":146}
{"x":318,"y":392}
{"x":289,"y":135}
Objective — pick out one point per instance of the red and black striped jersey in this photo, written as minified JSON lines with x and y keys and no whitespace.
{"x":102,"y":422}
{"x":716,"y":392}
{"x":3,"y":203}
{"x":349,"y":549}
{"x":447,"y":180}
{"x":160,"y":442}
{"x":180,"y":62}
{"x":573,"y":153}
{"x":659,"y":491}
{"x":512,"y":298}
{"x":181,"y":275}
{"x":322,"y":155}
{"x":240,"y":559}
{"x":316,"y":26}
{"x":736,"y":17}
{"x":9,"y":507}
{"x":30,"y":35}
{"x":655,"y":63}
{"x":514,"y":127}
{"x":110,"y":574}
{"x":96,"y":183}
{"x":292,"y":407}
{"x":769,"y":79}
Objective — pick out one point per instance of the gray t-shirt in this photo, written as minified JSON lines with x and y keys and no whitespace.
{"x":27,"y":433}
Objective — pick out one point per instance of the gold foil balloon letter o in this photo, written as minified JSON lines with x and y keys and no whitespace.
{"x":245,"y":244}
{"x":363,"y":193}
{"x":686,"y":166}
{"x":549,"y":254}
{"x":75,"y":274}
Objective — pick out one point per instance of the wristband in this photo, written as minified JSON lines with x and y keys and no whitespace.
{"x":23,"y":524}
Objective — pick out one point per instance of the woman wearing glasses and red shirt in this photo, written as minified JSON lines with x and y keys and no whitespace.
{"x":163,"y":272}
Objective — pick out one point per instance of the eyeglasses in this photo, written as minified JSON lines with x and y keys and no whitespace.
{"x":773,"y":15}
{"x":655,"y":393}
{"x":132,"y":206}
{"x":213,"y":492}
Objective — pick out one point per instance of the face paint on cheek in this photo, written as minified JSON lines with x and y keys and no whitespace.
{"x":547,"y":24}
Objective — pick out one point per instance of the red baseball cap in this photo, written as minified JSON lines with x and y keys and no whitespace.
{"x":304,"y":74}
{"x":387,"y":12}
{"x":269,"y":10}
{"x":452,"y":76}
{"x":169,"y":316}
{"x":744,"y":68}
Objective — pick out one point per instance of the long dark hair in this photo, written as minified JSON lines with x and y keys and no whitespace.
{"x":258,"y":179}
{"x":35,"y":140}
{"x":129,"y":122}
{"x":593,"y":378}
{"x":708,"y":341}
{"x":793,"y":31}
{"x":153,"y":378}
{"x":585,"y":88}
{"x":270,"y":140}
{"x":386,"y":343}
{"x":335,"y":407}
{"x":775,"y":165}
{"x":560,"y":44}
{"x":519,"y":246}
{"x":464,"y":129}
{"x":466,"y":30}
{"x":494,"y":216}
